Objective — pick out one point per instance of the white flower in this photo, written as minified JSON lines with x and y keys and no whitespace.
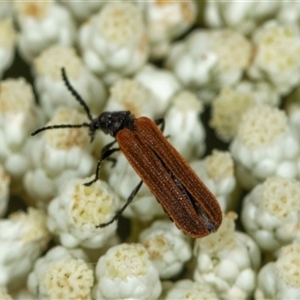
{"x":51,"y":88}
{"x":280,"y":279}
{"x":232,"y":103}
{"x":126,"y":271}
{"x":57,"y":156}
{"x":227,"y":261}
{"x":264,"y":146}
{"x":7,"y":44}
{"x":4,"y":191}
{"x":261,"y":91}
{"x":42,"y":24}
{"x":114,"y":42}
{"x":182,"y":123}
{"x":167,"y":246}
{"x":62,"y":274}
{"x":187,"y":289}
{"x":244,"y":16}
{"x":271,"y":213}
{"x":277,"y":56}
{"x":18,"y":118}
{"x":209,"y":59}
{"x":227,"y":111}
{"x":81,"y":10}
{"x":289,"y":12}
{"x":163,"y":84}
{"x":167,"y":20}
{"x":78,"y":209}
{"x":217,"y":172}
{"x":23,"y":237}
{"x":129,"y":94}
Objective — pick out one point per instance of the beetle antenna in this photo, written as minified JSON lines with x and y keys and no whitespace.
{"x":60,"y":126}
{"x":75,"y":94}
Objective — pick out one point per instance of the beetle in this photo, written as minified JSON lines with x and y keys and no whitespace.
{"x":182,"y":194}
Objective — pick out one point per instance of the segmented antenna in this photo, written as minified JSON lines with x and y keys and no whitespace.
{"x":60,"y":126}
{"x":75,"y":94}
{"x":79,"y":99}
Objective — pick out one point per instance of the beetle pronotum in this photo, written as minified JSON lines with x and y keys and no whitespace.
{"x":188,"y":202}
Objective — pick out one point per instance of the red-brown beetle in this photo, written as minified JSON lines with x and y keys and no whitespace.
{"x":188,"y":202}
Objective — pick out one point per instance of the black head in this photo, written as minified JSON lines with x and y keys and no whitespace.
{"x":112,"y":122}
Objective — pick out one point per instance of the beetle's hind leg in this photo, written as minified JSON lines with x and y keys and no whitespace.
{"x":106,"y":152}
{"x":161,"y":122}
{"x":120,"y":211}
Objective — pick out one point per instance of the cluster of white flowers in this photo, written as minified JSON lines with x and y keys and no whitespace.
{"x":232,"y":103}
{"x":264,"y":146}
{"x":224,"y":76}
{"x":62,"y":274}
{"x":78,"y":209}
{"x":167,"y":247}
{"x":207,"y":60}
{"x":270,"y":213}
{"x":228,"y":261}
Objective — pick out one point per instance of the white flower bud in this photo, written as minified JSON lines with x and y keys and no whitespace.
{"x":187,"y":289}
{"x":277,"y":55}
{"x":228,"y":260}
{"x":53,"y":94}
{"x":163,"y":84}
{"x":280,"y":279}
{"x":167,"y":246}
{"x":18,"y":118}
{"x":126,"y":271}
{"x":183,"y":124}
{"x":23,"y":238}
{"x":129,"y":94}
{"x":62,"y":274}
{"x":207,"y":60}
{"x":227,"y":111}
{"x":78,"y":209}
{"x":42,"y":24}
{"x":82,"y":10}
{"x":264,"y":146}
{"x":239,"y":15}
{"x":114,"y":41}
{"x":167,"y":21}
{"x":217,"y":172}
{"x":270,"y":213}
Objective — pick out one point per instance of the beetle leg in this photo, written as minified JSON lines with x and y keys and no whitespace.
{"x":106,"y":152}
{"x":161,"y":122}
{"x":120,"y":211}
